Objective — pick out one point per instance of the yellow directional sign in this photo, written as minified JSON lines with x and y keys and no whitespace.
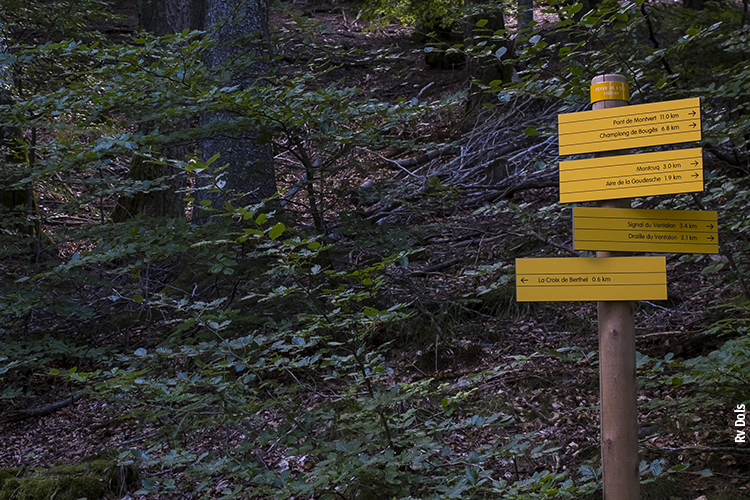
{"x":631,"y":230}
{"x":647,"y":174}
{"x":594,"y":279}
{"x":626,"y":127}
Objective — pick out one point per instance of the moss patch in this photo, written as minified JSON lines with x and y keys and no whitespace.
{"x":94,"y":467}
{"x":91,"y":480}
{"x":66,"y":488}
{"x":9,"y":488}
{"x":6,"y":475}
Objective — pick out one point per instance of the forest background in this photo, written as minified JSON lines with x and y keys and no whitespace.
{"x":267,"y":251}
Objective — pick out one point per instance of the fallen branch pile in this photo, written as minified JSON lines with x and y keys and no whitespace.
{"x":502,"y":155}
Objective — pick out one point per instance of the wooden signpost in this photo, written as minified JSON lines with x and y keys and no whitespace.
{"x":631,"y":230}
{"x":647,"y":174}
{"x":618,"y":386}
{"x":614,"y":278}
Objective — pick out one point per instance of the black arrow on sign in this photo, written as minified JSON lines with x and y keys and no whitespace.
{"x":693,"y":125}
{"x":524,"y":280}
{"x":695,"y":163}
{"x":695,"y":175}
{"x":710,"y":237}
{"x":692,"y":113}
{"x":710,"y":226}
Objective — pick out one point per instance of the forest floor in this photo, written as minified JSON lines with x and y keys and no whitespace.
{"x":461,"y":330}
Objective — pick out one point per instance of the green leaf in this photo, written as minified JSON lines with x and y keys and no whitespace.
{"x":656,"y":467}
{"x":574,"y":8}
{"x":482,"y":22}
{"x":713,"y":267}
{"x":276,"y":231}
{"x":370,"y":311}
{"x":530,"y":131}
{"x":137,"y":298}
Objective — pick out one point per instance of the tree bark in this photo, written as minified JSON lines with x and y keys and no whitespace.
{"x":19,"y":213}
{"x":164,"y":16}
{"x":693,"y":4}
{"x":489,"y":69}
{"x":525,"y":14}
{"x":160,"y":17}
{"x":250,"y":164}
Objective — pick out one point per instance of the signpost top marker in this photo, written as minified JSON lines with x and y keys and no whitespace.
{"x":610,"y":90}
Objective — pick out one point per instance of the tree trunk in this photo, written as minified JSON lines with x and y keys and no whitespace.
{"x":19,"y":214}
{"x":693,"y":4}
{"x":157,"y":203}
{"x":15,"y":202}
{"x":525,"y":14}
{"x":250,"y":164}
{"x":490,"y":69}
{"x":161,"y":17}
